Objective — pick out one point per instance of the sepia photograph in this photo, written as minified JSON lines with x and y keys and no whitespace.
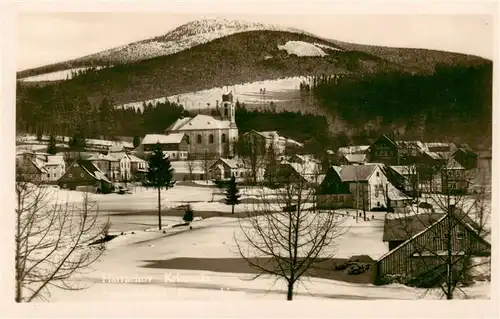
{"x":211,"y":157}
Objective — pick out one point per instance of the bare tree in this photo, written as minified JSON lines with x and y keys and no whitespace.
{"x":252,"y":150}
{"x":456,"y":244}
{"x":292,"y":241}
{"x":53,"y":241}
{"x":206,"y":163}
{"x":191,"y":166}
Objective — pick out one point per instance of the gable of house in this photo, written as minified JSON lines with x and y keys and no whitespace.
{"x":357,"y":173}
{"x":333,"y":184}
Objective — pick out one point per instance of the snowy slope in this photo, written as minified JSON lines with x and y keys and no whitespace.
{"x":281,"y":90}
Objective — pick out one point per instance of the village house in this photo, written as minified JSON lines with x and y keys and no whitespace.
{"x":138,"y":167}
{"x":55,"y":167}
{"x":391,"y":152}
{"x":466,"y":157}
{"x":308,"y":172}
{"x":225,"y":168}
{"x":454,"y":178}
{"x":115,"y":166}
{"x":368,"y":186}
{"x":212,"y":135}
{"x":29,"y":167}
{"x":83,"y":174}
{"x":42,"y":167}
{"x":418,"y":243}
{"x":175,"y":145}
{"x":332,"y":192}
{"x":281,"y":145}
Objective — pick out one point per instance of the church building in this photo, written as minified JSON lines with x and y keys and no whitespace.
{"x":212,"y":135}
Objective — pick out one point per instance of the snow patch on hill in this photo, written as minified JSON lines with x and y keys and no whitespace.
{"x":55,"y":76}
{"x":248,"y":93}
{"x":301,"y":48}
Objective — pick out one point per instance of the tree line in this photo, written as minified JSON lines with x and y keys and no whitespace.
{"x":453,"y":101}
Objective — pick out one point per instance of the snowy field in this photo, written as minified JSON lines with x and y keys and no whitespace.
{"x":126,"y":271}
{"x":121,"y":274}
{"x":280,"y":90}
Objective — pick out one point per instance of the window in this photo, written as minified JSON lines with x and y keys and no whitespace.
{"x":173,"y":154}
{"x":225,"y":110}
{"x":211,"y":138}
{"x":198,"y":139}
{"x":460,"y":235}
{"x":48,"y":175}
{"x":378,"y":204}
{"x":54,"y":175}
{"x":378,"y":174}
{"x":223,"y":138}
{"x":70,"y":175}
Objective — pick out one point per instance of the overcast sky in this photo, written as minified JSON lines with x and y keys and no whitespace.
{"x":45,"y":38}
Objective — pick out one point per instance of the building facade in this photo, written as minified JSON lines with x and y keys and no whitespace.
{"x":206,"y":135}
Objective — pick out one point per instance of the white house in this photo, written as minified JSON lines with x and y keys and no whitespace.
{"x":369,"y":184}
{"x":174,"y":145}
{"x":55,"y":167}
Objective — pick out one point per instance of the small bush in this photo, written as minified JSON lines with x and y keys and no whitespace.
{"x":188,"y":214}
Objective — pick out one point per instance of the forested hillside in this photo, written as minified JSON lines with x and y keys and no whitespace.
{"x":455,"y":101}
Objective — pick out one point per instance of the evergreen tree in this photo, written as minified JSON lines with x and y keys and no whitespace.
{"x":52,"y":148}
{"x":159,"y":174}
{"x":188,"y":214}
{"x":136,"y":141}
{"x":232,"y":194}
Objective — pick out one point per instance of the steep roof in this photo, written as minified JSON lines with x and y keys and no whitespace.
{"x":404,"y":169}
{"x":200,"y":122}
{"x":135,"y":159}
{"x":356,"y":158}
{"x":231,"y":162}
{"x":400,"y":229}
{"x":179,"y":123}
{"x":118,"y":156}
{"x":351,"y":173}
{"x":151,"y":139}
{"x":92,"y":170}
{"x":453,"y":164}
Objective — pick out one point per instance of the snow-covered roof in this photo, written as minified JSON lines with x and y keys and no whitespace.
{"x":404,"y":169}
{"x":118,"y":156}
{"x":351,"y":173}
{"x":231,"y":162}
{"x":101,"y":157}
{"x":199,"y":122}
{"x":116,"y":148}
{"x":355,"y":158}
{"x":174,"y":138}
{"x":439,"y":145}
{"x":135,"y":159}
{"x":453,"y":164}
{"x":353,"y":149}
{"x":55,"y":160}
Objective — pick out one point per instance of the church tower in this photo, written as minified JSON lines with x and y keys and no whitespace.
{"x":228,"y":112}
